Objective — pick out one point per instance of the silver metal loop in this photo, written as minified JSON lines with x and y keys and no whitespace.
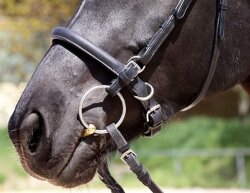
{"x":126,"y":153}
{"x":154,"y":108}
{"x":132,"y":61}
{"x":134,"y":58}
{"x":85,"y":124}
{"x":146,"y":97}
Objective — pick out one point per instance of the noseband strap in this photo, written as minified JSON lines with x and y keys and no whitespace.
{"x":127,"y":76}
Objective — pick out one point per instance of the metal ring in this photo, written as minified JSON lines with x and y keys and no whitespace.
{"x":147,"y":97}
{"x":81,"y":107}
{"x":133,"y":60}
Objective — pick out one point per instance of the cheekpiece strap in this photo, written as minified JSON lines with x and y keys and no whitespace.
{"x":182,"y":8}
{"x":222,"y":7}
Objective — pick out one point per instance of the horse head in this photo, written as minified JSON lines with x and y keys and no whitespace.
{"x":45,"y":126}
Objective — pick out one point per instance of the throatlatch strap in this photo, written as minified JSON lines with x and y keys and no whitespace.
{"x":129,"y":157}
{"x":221,"y":6}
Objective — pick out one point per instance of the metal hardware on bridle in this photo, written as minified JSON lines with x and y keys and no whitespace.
{"x":154,"y":108}
{"x":85,"y":124}
{"x":133,"y":59}
{"x":146,"y":97}
{"x":127,"y":76}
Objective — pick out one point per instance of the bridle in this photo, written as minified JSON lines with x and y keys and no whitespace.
{"x":127,"y":76}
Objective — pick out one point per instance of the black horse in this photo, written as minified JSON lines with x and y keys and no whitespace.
{"x":45,"y":126}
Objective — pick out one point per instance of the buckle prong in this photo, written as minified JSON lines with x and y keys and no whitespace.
{"x":153,"y":109}
{"x":132,"y":61}
{"x":146,"y":97}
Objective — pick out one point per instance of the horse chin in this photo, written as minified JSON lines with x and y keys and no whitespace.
{"x":80,"y":169}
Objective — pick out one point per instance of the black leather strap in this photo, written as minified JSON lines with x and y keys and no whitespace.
{"x":89,"y":48}
{"x":221,"y":6}
{"x":129,"y":157}
{"x":156,"y":117}
{"x":126,"y":74}
{"x":182,"y":8}
{"x":147,"y":53}
{"x":124,"y":78}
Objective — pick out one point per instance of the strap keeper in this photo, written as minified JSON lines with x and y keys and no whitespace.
{"x":223,"y":5}
{"x":132,"y":69}
{"x":126,"y":154}
{"x":151,"y":131}
{"x":123,"y":149}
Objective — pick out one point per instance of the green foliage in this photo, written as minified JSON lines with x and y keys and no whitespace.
{"x":2,"y":178}
{"x":9,"y":163}
{"x":48,"y":11}
{"x":25,"y":27}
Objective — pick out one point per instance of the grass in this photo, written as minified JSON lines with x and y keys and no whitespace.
{"x":9,"y":163}
{"x":197,"y":132}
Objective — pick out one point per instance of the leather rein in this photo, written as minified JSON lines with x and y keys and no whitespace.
{"x":127,"y":76}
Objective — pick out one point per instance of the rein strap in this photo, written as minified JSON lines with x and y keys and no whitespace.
{"x":129,"y":157}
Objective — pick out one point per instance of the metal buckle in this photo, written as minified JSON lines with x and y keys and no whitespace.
{"x":146,"y":97}
{"x":153,"y":109}
{"x":126,"y":153}
{"x":132,"y":61}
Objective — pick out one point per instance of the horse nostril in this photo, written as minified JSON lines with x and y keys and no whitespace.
{"x":31,"y":132}
{"x":34,"y":138}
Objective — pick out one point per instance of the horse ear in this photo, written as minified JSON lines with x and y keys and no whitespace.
{"x":246,"y":85}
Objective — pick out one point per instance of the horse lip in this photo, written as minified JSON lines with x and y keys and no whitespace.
{"x":60,"y":178}
{"x":69,"y":159}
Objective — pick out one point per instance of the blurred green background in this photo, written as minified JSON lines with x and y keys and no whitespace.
{"x":205,"y":147}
